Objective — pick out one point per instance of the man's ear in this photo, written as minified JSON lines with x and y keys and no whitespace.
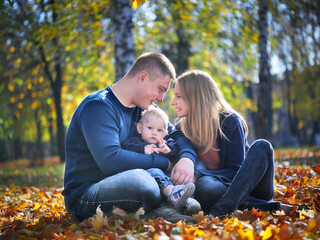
{"x":139,"y":127}
{"x":143,"y":75}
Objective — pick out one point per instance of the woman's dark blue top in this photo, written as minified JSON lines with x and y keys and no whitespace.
{"x":232,"y":149}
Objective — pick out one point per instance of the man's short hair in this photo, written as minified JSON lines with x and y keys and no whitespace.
{"x":153,"y":62}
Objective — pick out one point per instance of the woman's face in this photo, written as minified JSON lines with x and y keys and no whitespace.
{"x":179,"y":103}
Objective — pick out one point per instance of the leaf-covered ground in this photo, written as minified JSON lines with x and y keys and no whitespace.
{"x":28,"y":212}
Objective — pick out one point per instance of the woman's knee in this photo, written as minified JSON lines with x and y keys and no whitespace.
{"x":263,"y":144}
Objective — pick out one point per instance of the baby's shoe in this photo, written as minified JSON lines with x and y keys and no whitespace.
{"x":179,"y":194}
{"x":191,"y":207}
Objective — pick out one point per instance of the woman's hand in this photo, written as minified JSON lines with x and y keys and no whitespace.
{"x":183,"y":172}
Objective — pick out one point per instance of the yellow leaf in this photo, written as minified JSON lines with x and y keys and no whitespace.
{"x":36,"y":206}
{"x":11,"y":87}
{"x":80,"y":70}
{"x":35,"y":104}
{"x":97,"y":220}
{"x":303,"y":214}
{"x":20,"y":105}
{"x":17,"y":114}
{"x":12,"y":49}
{"x":136,"y":3}
{"x":246,"y":233}
{"x":22,"y":206}
{"x":268,"y":233}
{"x":312,"y":223}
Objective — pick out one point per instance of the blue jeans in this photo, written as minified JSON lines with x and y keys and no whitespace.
{"x":127,"y":190}
{"x":252,"y":186}
{"x":161,"y":178}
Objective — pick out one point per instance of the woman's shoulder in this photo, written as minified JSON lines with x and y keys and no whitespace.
{"x":230,"y":121}
{"x":229,"y":118}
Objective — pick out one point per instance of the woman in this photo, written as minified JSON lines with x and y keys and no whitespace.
{"x":228,"y":175}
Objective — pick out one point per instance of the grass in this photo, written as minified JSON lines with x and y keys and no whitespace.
{"x":48,"y":176}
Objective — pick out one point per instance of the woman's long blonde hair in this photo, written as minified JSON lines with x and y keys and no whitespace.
{"x":206,"y":102}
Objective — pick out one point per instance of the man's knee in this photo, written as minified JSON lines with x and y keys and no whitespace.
{"x":148,"y":189}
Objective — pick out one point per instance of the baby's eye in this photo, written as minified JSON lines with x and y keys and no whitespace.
{"x":149,"y":128}
{"x":160,"y":130}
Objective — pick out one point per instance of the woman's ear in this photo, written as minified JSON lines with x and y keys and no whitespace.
{"x":139,"y":127}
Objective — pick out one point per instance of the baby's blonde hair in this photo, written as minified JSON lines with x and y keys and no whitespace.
{"x":155,"y":111}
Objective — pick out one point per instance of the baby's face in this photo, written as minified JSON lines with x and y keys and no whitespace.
{"x":152,"y":128}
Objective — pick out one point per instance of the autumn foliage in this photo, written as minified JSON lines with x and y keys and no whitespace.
{"x":32,"y":213}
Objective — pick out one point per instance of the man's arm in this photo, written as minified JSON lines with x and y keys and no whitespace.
{"x":183,"y":171}
{"x":98,"y":123}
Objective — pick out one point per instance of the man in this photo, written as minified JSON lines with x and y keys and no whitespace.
{"x":98,"y":170}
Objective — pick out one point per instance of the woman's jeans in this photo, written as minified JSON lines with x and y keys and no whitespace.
{"x":127,"y":190}
{"x":252,"y":186}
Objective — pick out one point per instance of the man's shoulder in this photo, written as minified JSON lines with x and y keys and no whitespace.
{"x":101,"y":95}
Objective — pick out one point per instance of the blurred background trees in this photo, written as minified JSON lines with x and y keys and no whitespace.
{"x":53,"y":53}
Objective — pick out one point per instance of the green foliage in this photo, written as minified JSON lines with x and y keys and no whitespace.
{"x":220,"y":37}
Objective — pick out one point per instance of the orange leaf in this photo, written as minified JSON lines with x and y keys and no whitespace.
{"x":22,"y":206}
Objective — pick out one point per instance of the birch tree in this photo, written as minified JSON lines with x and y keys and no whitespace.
{"x":124,"y":48}
{"x":264,"y":94}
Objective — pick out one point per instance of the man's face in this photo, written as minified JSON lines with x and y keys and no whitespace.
{"x":152,"y":90}
{"x":152,"y":128}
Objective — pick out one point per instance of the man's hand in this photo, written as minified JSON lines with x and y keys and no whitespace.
{"x":150,"y":148}
{"x":183,"y":172}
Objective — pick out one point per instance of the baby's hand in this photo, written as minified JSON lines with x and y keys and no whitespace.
{"x":150,"y":148}
{"x":163,"y":147}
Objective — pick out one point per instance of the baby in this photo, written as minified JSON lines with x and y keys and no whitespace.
{"x":152,"y":128}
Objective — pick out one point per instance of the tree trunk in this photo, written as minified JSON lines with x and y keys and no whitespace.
{"x":264,"y":97}
{"x":183,"y":51}
{"x":253,"y":115}
{"x":56,"y":86}
{"x":124,"y":48}
{"x":38,"y":157}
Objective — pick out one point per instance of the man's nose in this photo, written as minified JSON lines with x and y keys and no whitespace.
{"x":160,"y":98}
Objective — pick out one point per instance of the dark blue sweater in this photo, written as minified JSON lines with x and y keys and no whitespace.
{"x":232,"y":150}
{"x":94,"y":140}
{"x":137,"y":144}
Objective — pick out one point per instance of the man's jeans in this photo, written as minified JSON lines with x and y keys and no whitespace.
{"x":252,"y":186}
{"x":128,"y":190}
